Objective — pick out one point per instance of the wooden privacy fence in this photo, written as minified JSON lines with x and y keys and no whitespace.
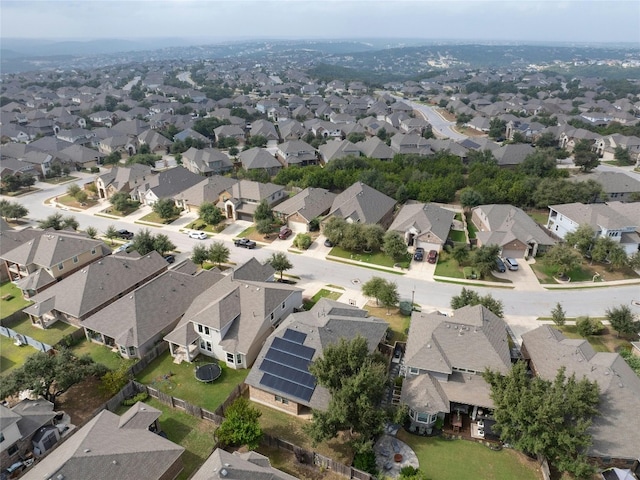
{"x":314,"y":458}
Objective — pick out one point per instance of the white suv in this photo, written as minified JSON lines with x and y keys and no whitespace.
{"x":511,"y":263}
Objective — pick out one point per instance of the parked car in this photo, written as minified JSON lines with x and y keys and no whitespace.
{"x":418,"y":255}
{"x":245,"y":243}
{"x":328,"y":243}
{"x":285,"y":232}
{"x":500,"y":267}
{"x":511,"y":263}
{"x":170,"y":258}
{"x":198,"y":235}
{"x":433,"y":256}
{"x":125,"y":234}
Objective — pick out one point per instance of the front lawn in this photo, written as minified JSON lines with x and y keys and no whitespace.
{"x":178,"y":380}
{"x":585,"y":273}
{"x":287,"y":427}
{"x":448,"y":267}
{"x":50,"y":336}
{"x":308,"y":304}
{"x":246,"y":232}
{"x":374,"y":258}
{"x":398,"y":323}
{"x":69,"y":201}
{"x":466,"y":460}
{"x":605,"y":342}
{"x":100,"y":354}
{"x":59,"y":180}
{"x":11,"y":299}
{"x":194,"y":434}
{"x":153,"y":217}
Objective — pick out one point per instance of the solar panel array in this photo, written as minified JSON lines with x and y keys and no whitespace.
{"x":285,"y":366}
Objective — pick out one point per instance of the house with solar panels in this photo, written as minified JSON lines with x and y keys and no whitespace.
{"x":280,"y":376}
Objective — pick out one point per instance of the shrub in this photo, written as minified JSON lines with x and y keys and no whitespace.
{"x":302,"y":241}
{"x":366,"y":461}
{"x":140,"y":397}
{"x":587,"y":326}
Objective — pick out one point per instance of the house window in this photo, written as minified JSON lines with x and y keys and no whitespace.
{"x":206,"y":330}
{"x":284,"y":305}
{"x":132,"y":351}
{"x":414,"y":371}
{"x":280,"y":399}
{"x":230,"y":358}
{"x":202,"y":345}
{"x":123,"y":349}
{"x":272,"y":315}
{"x":200,"y":329}
{"x":12,"y":450}
{"x":93,"y":251}
{"x":423,"y":417}
{"x":239,"y":358}
{"x":75,"y":259}
{"x":1,"y":437}
{"x":209,"y":346}
{"x":60,"y":266}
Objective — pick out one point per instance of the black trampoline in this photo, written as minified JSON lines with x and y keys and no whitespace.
{"x":208,"y":373}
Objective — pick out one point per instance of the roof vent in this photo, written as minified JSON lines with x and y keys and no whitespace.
{"x":223,"y":472}
{"x":227,"y":464}
{"x":115,"y":462}
{"x":87,"y":450}
{"x":428,"y":345}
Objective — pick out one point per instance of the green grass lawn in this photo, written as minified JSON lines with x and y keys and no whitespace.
{"x":374,"y":258}
{"x":308,"y":305}
{"x":194,"y":434}
{"x":59,"y":180}
{"x":538,"y":216}
{"x":123,"y":213}
{"x":12,"y":356}
{"x":465,"y":460}
{"x":606,"y":342}
{"x":457,"y":236}
{"x":100,"y":354}
{"x":290,"y":428}
{"x":153,"y":217}
{"x":398,"y":323}
{"x":17,"y":302}
{"x":50,"y":336}
{"x":471,"y":227}
{"x":210,"y":229}
{"x":246,"y":232}
{"x":546,"y":273}
{"x":458,"y":216}
{"x":448,"y":267}
{"x":182,"y":382}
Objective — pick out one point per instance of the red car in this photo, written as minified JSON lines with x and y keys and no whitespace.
{"x":284,"y":233}
{"x":432,"y":257}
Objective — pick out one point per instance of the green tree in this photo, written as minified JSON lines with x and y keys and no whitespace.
{"x":241,"y":425}
{"x":263,"y":212}
{"x":264,"y":226}
{"x":49,"y":375}
{"x":389,"y":296}
{"x":470,"y":297}
{"x":82,"y":196}
{"x":601,"y":248}
{"x":618,"y":256}
{"x":73,"y":190}
{"x":460,"y":253}
{"x":334,"y":229}
{"x":143,"y":242}
{"x":302,"y":241}
{"x":374,"y":288}
{"x":11,"y":182}
{"x":558,"y":315}
{"x":91,"y":231}
{"x":114,"y":380}
{"x":57,"y":221}
{"x":353,"y":237}
{"x":165,"y":208}
{"x":588,"y":326}
{"x":394,"y":245}
{"x":120,"y":201}
{"x":373,"y":235}
{"x":12,"y":210}
{"x":199,"y":254}
{"x":69,"y":222}
{"x":209,"y":213}
{"x":584,"y":157}
{"x":111,"y":233}
{"x":356,"y":381}
{"x":280,"y":263}
{"x":546,"y":140}
{"x":162,"y":244}
{"x":622,"y":156}
{"x":27,"y":181}
{"x":483,"y":259}
{"x":470,"y":198}
{"x":623,"y":320}
{"x":497,"y":128}
{"x":581,"y":238}
{"x":219,"y":253}
{"x":545,"y":418}
{"x":563,"y":257}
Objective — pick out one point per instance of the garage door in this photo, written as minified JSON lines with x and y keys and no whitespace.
{"x":512,"y":253}
{"x":298,"y":227}
{"x":429,"y":246}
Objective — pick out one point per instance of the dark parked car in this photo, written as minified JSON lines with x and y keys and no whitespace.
{"x":328,"y":243}
{"x":500,"y":267}
{"x":284,"y":233}
{"x":418,"y":255}
{"x":170,"y":258}
{"x":125,"y":234}
{"x":433,"y":256}
{"x":245,"y":243}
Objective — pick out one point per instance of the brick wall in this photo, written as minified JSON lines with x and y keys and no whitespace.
{"x":260,"y":396}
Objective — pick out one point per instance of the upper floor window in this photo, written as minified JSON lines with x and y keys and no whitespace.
{"x":60,"y":266}
{"x":75,"y":259}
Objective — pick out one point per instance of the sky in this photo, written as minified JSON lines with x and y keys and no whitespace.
{"x":581,"y":21}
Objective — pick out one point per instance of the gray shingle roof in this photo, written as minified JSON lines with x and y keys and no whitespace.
{"x":513,"y":222}
{"x":309,"y":203}
{"x":238,"y":466}
{"x":597,"y":215}
{"x":362,"y":203}
{"x":616,"y":430}
{"x":258,"y":158}
{"x":430,"y":221}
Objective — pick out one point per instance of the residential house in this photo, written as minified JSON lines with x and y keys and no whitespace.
{"x":617,"y":221}
{"x":92,"y":288}
{"x":606,"y":146}
{"x":222,"y":464}
{"x":373,"y":147}
{"x":570,"y":138}
{"x":206,"y":162}
{"x":158,"y":144}
{"x":166,"y":184}
{"x":40,"y":258}
{"x":414,"y":126}
{"x":307,"y":205}
{"x":118,"y":143}
{"x":615,"y":431}
{"x":230,"y":131}
{"x":81,"y":157}
{"x":103,"y":118}
{"x":296,"y":152}
{"x":241,"y":201}
{"x":136,"y":322}
{"x":617,"y":186}
{"x":11,"y":239}
{"x":231,"y":319}
{"x":189,"y":133}
{"x":266,"y":129}
{"x":410,"y":143}
{"x":280,"y":377}
{"x":257,"y":158}
{"x":335,"y":149}
{"x":453,"y":147}
{"x":361,"y":203}
{"x":291,"y":130}
{"x":111,"y":447}
{"x":424,"y":225}
{"x":212,"y":189}
{"x":122,"y":179}
{"x":444,"y":360}
{"x":513,"y":154}
{"x":515,"y":232}
{"x":19,"y":424}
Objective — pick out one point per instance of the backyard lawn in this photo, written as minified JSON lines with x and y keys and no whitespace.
{"x":100,"y":354}
{"x":179,"y":381}
{"x":465,"y":460}
{"x":194,"y":434}
{"x":12,"y":356}
{"x":470,"y":226}
{"x":290,"y":428}
{"x":50,"y":336}
{"x":13,"y":304}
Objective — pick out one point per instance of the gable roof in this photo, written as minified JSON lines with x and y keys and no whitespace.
{"x":309,"y":203}
{"x":430,"y":222}
{"x":615,"y":432}
{"x":169,"y":183}
{"x":238,"y":466}
{"x":362,"y":203}
{"x":105,"y":449}
{"x":613,"y":216}
{"x":257,"y":157}
{"x":325,"y":324}
{"x":513,"y":153}
{"x":254,"y":191}
{"x":208,"y":190}
{"x":506,"y":223}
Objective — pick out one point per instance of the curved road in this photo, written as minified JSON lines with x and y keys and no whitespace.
{"x":440,"y":126}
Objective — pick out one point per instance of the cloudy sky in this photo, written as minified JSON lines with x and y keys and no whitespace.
{"x":512,"y":20}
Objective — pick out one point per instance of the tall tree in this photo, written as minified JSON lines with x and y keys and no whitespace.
{"x":470,"y":198}
{"x":563,"y":257}
{"x":120,"y":201}
{"x":395,"y":246}
{"x":49,"y":375}
{"x":622,"y":156}
{"x":584,"y":157}
{"x":334,"y":229}
{"x":219,"y":253}
{"x":356,"y":380}
{"x":91,"y":231}
{"x":209,"y":213}
{"x":241,"y":425}
{"x":280,"y":262}
{"x":263,"y":212}
{"x":623,"y":320}
{"x":581,"y":238}
{"x":374,"y":288}
{"x":165,"y":208}
{"x":143,"y":242}
{"x":199,"y":254}
{"x":162,"y":244}
{"x":484,"y":259}
{"x":558,"y":315}
{"x":111,"y":233}
{"x":470,"y":297}
{"x":545,"y":418}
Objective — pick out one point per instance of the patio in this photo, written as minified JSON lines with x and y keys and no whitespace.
{"x":392,"y":455}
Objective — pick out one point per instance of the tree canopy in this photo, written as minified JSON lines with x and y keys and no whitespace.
{"x":280,"y":262}
{"x":470,"y":297}
{"x":545,"y":418}
{"x":623,"y":320}
{"x":241,"y":425}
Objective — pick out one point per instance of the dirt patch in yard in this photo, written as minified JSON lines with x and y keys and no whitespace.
{"x":81,"y":400}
